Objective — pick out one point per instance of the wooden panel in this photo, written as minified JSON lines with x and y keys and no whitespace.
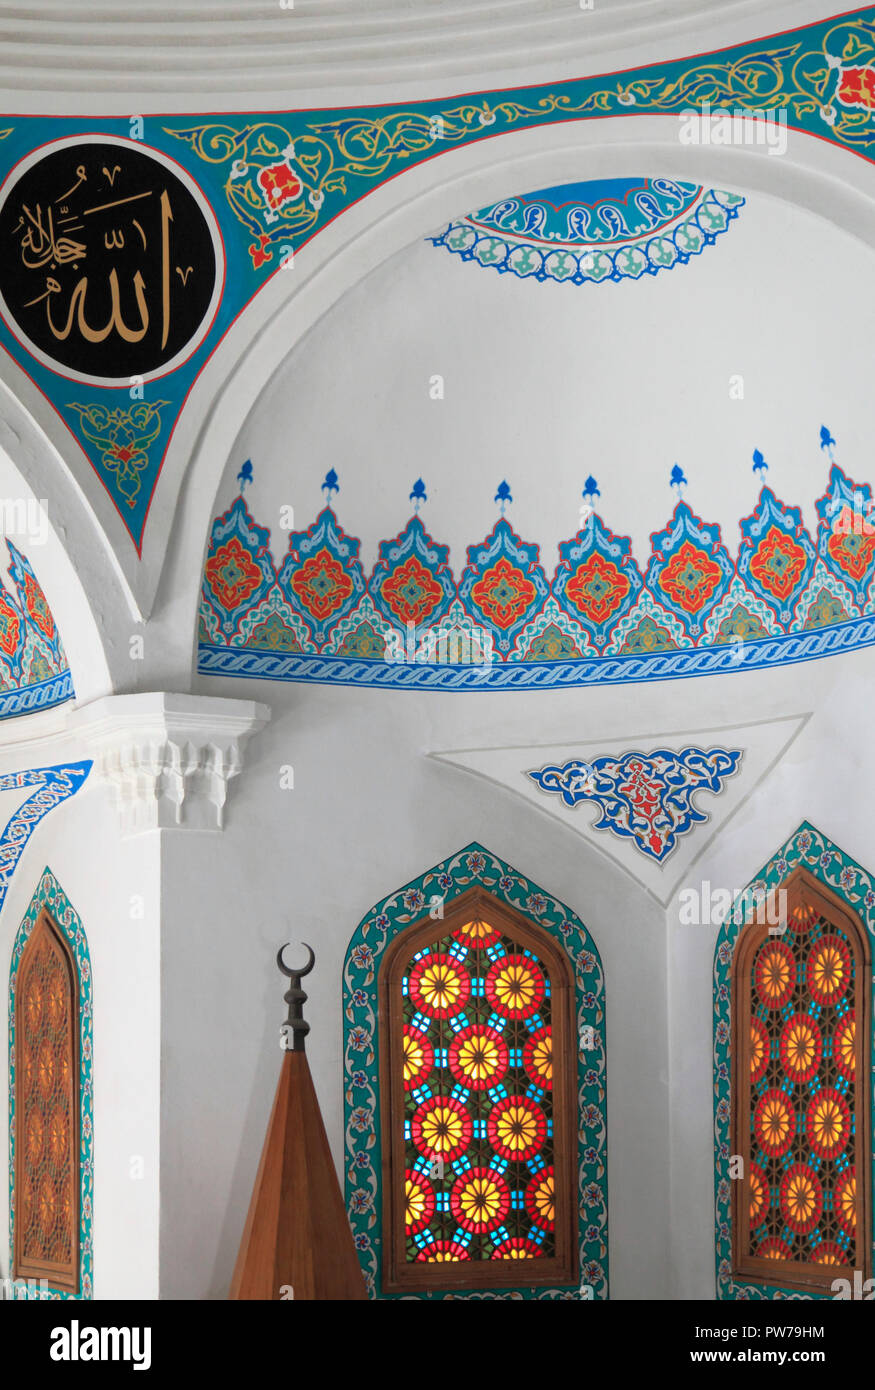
{"x":798,"y":1072}
{"x":47,"y":1175}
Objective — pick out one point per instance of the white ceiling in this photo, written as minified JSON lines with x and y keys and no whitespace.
{"x":94,"y":48}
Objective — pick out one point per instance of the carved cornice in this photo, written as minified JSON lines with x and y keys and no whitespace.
{"x":168,"y":758}
{"x":319,"y":45}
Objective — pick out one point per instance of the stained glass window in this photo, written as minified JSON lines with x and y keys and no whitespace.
{"x":800,"y":987}
{"x":46,"y":1110}
{"x":481,"y":1128}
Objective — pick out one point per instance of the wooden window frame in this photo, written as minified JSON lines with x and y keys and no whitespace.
{"x":399,"y":1275}
{"x":63,"y":1277}
{"x":802,"y":888}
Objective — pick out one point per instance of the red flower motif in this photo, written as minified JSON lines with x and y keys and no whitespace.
{"x":760,"y":1050}
{"x":778,"y":563}
{"x":845,"y":1201}
{"x":233,"y":574}
{"x":775,"y":974}
{"x":478,"y":1057}
{"x":439,"y":986}
{"x":541,"y":1199}
{"x":516,"y":1128}
{"x":441,"y":1128}
{"x":517,"y":1248}
{"x":829,"y":1252}
{"x":691,"y":577}
{"x":259,"y":252}
{"x":774,"y":1122}
{"x":857,"y":88}
{"x":480,"y":1200}
{"x":538,"y":1058}
{"x":411,"y":591}
{"x":645,"y":796}
{"x":37,"y":606}
{"x":515,"y":987}
{"x":503,"y":593}
{"x":279,"y":185}
{"x":829,"y":969}
{"x":843,"y":1045}
{"x":773,"y":1248}
{"x":851,"y":548}
{"x":419,"y":1203}
{"x":442,"y":1251}
{"x":10,"y":625}
{"x":597,"y":588}
{"x":475,"y":934}
{"x":322,"y":585}
{"x":800,"y":1047}
{"x":801,"y":1197}
{"x":418,"y":1056}
{"x":828,"y":1123}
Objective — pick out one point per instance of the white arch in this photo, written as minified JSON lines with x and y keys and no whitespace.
{"x":74,"y":566}
{"x":813,"y":174}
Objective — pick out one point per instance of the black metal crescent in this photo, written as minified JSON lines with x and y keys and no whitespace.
{"x":285,"y":969}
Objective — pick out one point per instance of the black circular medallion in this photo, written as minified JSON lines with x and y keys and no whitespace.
{"x":109,"y":260}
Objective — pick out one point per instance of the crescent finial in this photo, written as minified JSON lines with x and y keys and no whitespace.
{"x":285,"y":969}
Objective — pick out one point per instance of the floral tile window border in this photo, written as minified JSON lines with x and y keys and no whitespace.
{"x":811,"y":849}
{"x":470,"y":867}
{"x":50,"y":895}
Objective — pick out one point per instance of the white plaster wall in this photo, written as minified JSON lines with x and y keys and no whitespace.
{"x":546,"y":383}
{"x":79,"y":842}
{"x":368,"y":812}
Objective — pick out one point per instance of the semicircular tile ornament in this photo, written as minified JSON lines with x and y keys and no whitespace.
{"x":601,"y":230}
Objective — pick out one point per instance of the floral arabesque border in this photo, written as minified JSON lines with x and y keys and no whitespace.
{"x":690,"y":608}
{"x":811,"y":849}
{"x":471,"y":866}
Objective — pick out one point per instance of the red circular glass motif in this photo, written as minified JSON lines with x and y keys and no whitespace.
{"x":775,"y":974}
{"x":515,"y":987}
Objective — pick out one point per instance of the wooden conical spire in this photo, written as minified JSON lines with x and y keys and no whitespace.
{"x":297,"y":1241}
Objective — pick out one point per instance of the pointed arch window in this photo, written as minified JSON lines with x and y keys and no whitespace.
{"x":46,"y":1107}
{"x":800,"y":1010}
{"x":479,"y":1102}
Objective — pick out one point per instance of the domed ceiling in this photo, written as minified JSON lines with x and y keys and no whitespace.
{"x":637,"y":480}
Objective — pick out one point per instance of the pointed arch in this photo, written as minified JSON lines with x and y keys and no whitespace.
{"x":525,"y":926}
{"x":793,"y":1045}
{"x":51,"y":1134}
